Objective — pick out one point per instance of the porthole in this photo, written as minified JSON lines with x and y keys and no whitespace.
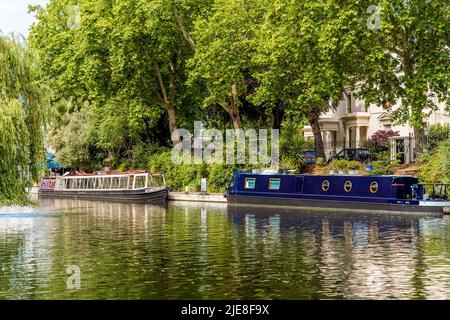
{"x":325,"y":185}
{"x":373,"y":187}
{"x":347,"y":186}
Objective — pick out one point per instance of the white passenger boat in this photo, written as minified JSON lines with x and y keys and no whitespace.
{"x":128,"y":186}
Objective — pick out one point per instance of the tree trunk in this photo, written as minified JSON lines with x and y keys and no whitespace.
{"x":232,"y":109}
{"x":236,"y":120}
{"x":278,"y":115}
{"x":313,"y":117}
{"x":419,"y":141}
{"x":172,"y":118}
{"x":168,"y":101}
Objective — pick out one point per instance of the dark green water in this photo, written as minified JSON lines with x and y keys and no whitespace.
{"x":193,"y":251}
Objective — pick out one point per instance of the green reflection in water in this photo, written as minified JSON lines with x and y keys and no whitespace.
{"x":200,"y":251}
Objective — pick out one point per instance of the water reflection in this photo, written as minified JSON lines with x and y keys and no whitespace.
{"x":209,"y":251}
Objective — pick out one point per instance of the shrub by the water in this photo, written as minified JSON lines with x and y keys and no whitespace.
{"x":436,"y":168}
{"x":383,"y":165}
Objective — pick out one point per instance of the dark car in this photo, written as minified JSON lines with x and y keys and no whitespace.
{"x":309,"y":157}
{"x":353,"y":154}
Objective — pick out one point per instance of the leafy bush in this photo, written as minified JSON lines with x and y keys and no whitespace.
{"x":178,"y":176}
{"x":292,"y":143}
{"x":353,"y":165}
{"x":436,"y":168}
{"x":219,"y":177}
{"x":383,"y":166}
{"x":345,"y":165}
{"x":437,"y":134}
{"x":339,"y":164}
{"x":379,"y":141}
{"x":320,"y":161}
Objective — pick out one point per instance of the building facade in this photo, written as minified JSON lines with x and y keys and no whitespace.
{"x":353,"y":122}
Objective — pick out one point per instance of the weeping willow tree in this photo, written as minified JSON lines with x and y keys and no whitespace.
{"x":22,"y":110}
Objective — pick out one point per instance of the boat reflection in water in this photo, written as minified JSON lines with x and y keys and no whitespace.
{"x":349,"y":254}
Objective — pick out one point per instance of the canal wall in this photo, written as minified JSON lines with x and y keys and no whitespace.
{"x":181,"y":196}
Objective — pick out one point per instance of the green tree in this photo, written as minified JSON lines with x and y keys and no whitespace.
{"x":224,"y":45}
{"x":73,"y":134}
{"x":302,"y":56}
{"x":406,"y":60}
{"x":23,"y":106}
{"x":128,"y":51}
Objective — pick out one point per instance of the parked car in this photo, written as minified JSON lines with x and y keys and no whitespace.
{"x":309,"y":157}
{"x":353,"y":154}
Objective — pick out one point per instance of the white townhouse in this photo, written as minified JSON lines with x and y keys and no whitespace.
{"x":353,"y":122}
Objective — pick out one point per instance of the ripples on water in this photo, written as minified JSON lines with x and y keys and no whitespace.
{"x":201,"y":251}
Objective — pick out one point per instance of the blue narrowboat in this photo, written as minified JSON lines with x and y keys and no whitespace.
{"x":377,"y":193}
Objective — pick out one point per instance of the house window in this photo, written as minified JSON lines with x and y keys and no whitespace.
{"x":274,"y":183}
{"x":388,"y":127}
{"x":250,"y":183}
{"x":349,"y":102}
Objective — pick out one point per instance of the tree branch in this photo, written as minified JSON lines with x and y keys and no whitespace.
{"x":180,"y":21}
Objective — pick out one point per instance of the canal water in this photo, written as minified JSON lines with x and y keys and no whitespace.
{"x":71,"y":249}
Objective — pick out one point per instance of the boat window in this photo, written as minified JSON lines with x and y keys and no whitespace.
{"x":115,"y":183}
{"x":157,"y":180}
{"x":139,"y":182}
{"x":325,"y":185}
{"x":374,"y":187}
{"x":123,"y":182}
{"x":97,"y":183}
{"x":250,"y":183}
{"x":348,"y":186}
{"x":274,"y":183}
{"x":107,"y":183}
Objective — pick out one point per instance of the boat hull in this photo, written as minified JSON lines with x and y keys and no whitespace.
{"x":142,"y":196}
{"x":366,"y":207}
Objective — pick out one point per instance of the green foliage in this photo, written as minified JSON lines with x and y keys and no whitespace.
{"x":437,"y":134}
{"x":180,"y":176}
{"x":321,"y":161}
{"x":23,"y":105}
{"x":292,"y":142}
{"x":353,"y":165}
{"x":383,"y":165}
{"x":339,"y":164}
{"x":127,"y":58}
{"x":219,"y":177}
{"x":436,"y":168}
{"x":301,"y":54}
{"x":73,"y":136}
{"x":345,"y":165}
{"x":405,"y":58}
